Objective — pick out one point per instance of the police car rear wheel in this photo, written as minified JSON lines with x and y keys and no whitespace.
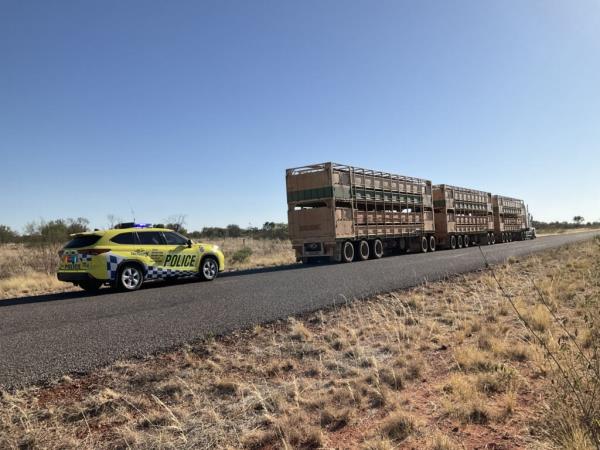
{"x":90,"y":286}
{"x":209,"y":269}
{"x":130,"y":278}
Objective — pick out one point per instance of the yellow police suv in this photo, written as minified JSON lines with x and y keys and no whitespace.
{"x":131,"y":253}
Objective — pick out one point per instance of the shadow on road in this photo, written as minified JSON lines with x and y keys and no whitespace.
{"x":150,"y":285}
{"x":49,"y":297}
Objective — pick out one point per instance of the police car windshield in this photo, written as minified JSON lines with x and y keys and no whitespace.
{"x":83,"y":241}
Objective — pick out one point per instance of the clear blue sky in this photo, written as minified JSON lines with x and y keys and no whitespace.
{"x":198,"y":107}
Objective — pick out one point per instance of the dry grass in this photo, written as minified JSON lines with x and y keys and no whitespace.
{"x":32,"y":270}
{"x":556,"y":231}
{"x":29,"y":271}
{"x":31,"y":284}
{"x":265,"y":252}
{"x":443,"y":366}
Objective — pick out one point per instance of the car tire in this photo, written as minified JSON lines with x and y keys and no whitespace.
{"x":90,"y":286}
{"x":209,"y":269}
{"x":130,"y":277}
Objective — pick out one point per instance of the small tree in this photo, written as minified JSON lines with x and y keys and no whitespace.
{"x":113,"y":220}
{"x":7,"y":234}
{"x":578,"y":220}
{"x":234,"y":230}
{"x":177,"y":223}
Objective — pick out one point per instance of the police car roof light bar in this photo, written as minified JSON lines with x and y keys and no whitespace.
{"x":133,"y":225}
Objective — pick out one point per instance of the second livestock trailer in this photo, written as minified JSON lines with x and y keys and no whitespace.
{"x":462,"y":216}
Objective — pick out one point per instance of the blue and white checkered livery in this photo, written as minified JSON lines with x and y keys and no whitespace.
{"x":84,"y":257}
{"x":155,"y":273}
{"x":112,"y":263}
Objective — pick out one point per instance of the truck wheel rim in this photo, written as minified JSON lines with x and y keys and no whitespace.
{"x":131,"y":277}
{"x":364,"y":249}
{"x":209,"y":269}
{"x":348,"y":252}
{"x":378,"y":249}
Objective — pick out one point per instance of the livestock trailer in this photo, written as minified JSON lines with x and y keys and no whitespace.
{"x":463,"y":216}
{"x":337,"y":212}
{"x":510,"y":218}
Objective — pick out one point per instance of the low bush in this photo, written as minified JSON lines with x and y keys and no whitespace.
{"x":242,"y":255}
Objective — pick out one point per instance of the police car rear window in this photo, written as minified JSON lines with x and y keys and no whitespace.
{"x":125,"y":238}
{"x":83,"y":241}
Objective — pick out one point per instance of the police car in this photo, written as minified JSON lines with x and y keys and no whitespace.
{"x":130,"y":254}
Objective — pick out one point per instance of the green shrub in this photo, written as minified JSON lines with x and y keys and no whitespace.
{"x":242,"y":255}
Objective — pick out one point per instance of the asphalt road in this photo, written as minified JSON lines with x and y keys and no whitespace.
{"x":47,"y":336}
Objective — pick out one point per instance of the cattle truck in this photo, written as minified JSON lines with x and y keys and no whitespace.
{"x":463,"y":216}
{"x":342,"y":213}
{"x":511,"y":219}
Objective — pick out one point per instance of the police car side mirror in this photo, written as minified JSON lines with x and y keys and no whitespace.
{"x":189,"y":243}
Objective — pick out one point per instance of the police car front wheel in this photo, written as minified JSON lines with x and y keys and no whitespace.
{"x":130,"y":277}
{"x":209,"y":268}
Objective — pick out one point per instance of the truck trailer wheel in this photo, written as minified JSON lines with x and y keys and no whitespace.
{"x":466,"y":240}
{"x":348,"y":252}
{"x":377,"y":249}
{"x":402,"y":245}
{"x":432,"y":243}
{"x":423,"y":244}
{"x":493,"y":236}
{"x":459,"y":241}
{"x":363,"y":250}
{"x":489,"y":239}
{"x":452,"y":242}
